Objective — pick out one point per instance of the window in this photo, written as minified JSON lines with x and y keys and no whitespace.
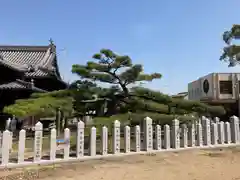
{"x":225,"y":87}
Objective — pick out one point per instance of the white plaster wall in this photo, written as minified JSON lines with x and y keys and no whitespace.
{"x":194,"y":90}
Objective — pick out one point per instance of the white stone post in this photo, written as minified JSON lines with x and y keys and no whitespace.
{"x":148,"y":134}
{"x":217,"y":121}
{"x":80,"y":139}
{"x":53,"y":144}
{"x":104,"y":141}
{"x":5,"y":147}
{"x":1,"y":138}
{"x":175,"y":134}
{"x":207,"y":132}
{"x":127,"y":139}
{"x":227,"y":133}
{"x":21,"y":146}
{"x":166,"y":136}
{"x":137,"y":134}
{"x":199,"y":121}
{"x":38,"y":142}
{"x":221,"y":132}
{"x":238,"y":132}
{"x":184,"y":135}
{"x":158,"y":137}
{"x":199,"y":141}
{"x":214,"y":134}
{"x":116,"y":138}
{"x":67,"y":141}
{"x":92,"y":144}
{"x":234,"y":120}
{"x":202,"y":122}
{"x":192,"y":137}
{"x":11,"y":142}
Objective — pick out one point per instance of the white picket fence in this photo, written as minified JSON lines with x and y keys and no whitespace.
{"x":204,"y":134}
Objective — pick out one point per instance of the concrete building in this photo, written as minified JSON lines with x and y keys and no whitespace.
{"x":217,"y":88}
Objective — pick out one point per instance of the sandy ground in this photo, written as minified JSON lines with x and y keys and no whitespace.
{"x":220,"y":164}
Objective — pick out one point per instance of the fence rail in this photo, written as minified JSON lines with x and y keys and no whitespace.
{"x":148,"y":139}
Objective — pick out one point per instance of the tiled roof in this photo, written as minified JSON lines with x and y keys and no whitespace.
{"x":29,"y":59}
{"x":20,"y":84}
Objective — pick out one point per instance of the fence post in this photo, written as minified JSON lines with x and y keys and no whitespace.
{"x":227,"y":133}
{"x":104,"y":141}
{"x":175,"y":134}
{"x":67,"y":141}
{"x":148,"y":134}
{"x":217,"y":120}
{"x":199,"y":134}
{"x":221,"y":133}
{"x":158,"y":137}
{"x":21,"y":145}
{"x":192,"y":135}
{"x":38,"y":142}
{"x":214,"y":134}
{"x":137,"y":134}
{"x":53,"y":144}
{"x":206,"y":132}
{"x":166,"y":136}
{"x":234,"y":129}
{"x":5,"y":147}
{"x":92,"y":144}
{"x":1,"y":139}
{"x":127,"y":139}
{"x":11,"y":142}
{"x":116,"y":138}
{"x":80,"y":139}
{"x":184,"y":134}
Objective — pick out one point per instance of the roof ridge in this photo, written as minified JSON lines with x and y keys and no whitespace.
{"x":23,"y":48}
{"x":46,"y":58}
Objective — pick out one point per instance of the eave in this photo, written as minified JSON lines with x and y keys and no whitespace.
{"x":20,"y":85}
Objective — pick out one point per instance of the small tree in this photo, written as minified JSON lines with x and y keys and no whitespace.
{"x":43,"y":105}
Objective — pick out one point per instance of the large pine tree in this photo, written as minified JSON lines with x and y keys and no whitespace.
{"x":127,"y":97}
{"x":231,"y":53}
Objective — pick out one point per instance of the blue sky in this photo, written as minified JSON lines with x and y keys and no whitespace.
{"x":182,"y":39}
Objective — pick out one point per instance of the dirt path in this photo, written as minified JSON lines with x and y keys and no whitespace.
{"x":189,"y":165}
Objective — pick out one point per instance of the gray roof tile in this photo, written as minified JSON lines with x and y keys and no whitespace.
{"x":22,"y":58}
{"x":20,"y":84}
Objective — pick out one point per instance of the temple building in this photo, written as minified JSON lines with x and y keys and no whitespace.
{"x":28,"y":69}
